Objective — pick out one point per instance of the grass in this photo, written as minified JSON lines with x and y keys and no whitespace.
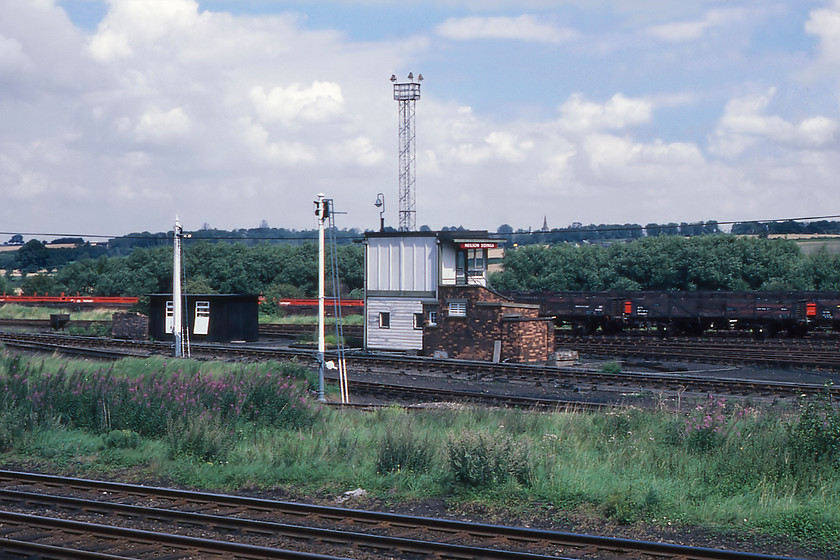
{"x":771,"y":470}
{"x":14,"y":311}
{"x":308,"y":320}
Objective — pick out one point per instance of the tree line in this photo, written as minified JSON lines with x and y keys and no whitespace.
{"x":233,"y":268}
{"x":712,"y":262}
{"x":593,"y":233}
{"x":652,"y":262}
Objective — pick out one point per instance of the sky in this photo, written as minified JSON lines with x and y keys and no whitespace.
{"x":116,"y":116}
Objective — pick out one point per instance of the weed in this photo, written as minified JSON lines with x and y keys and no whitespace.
{"x":401,"y":450}
{"x":815,"y":433}
{"x":710,"y":423}
{"x":804,"y":524}
{"x":121,"y":439}
{"x":625,"y":509}
{"x":95,"y":329}
{"x":611,"y":367}
{"x":203,"y":438}
{"x":103,"y":400}
{"x":478,"y":461}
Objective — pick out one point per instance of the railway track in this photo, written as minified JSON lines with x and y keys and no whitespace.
{"x":375,"y":364}
{"x":812,"y":352}
{"x":80,"y":518}
{"x":815,"y":351}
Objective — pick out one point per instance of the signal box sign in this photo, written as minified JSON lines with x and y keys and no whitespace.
{"x":479,"y":245}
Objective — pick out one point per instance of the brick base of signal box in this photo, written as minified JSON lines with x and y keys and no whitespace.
{"x":494,"y":328}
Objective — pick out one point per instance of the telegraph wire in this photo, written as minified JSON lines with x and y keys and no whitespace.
{"x":196,"y":236}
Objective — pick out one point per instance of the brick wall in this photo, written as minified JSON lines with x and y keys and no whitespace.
{"x":130,"y":326}
{"x":523,"y":335}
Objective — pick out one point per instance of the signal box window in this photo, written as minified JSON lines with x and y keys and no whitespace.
{"x":418,"y":321}
{"x":468,"y":263}
{"x":433,"y":318}
{"x":457,"y":308}
{"x":385,"y":320}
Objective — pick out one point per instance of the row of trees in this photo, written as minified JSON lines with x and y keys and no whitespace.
{"x":578,"y":233}
{"x":280,"y":270}
{"x":787,"y":227}
{"x":717,"y":262}
{"x":35,"y":255}
{"x":121,"y":246}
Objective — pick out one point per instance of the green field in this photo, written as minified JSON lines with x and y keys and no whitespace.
{"x":814,"y":245}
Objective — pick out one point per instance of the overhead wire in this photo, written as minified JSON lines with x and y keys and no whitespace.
{"x":196,"y":235}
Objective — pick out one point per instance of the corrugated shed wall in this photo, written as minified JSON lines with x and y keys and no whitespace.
{"x":407,"y":264}
{"x":401,"y":335}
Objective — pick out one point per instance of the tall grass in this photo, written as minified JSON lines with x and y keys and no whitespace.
{"x":160,"y":396}
{"x":14,"y":311}
{"x":309,"y":320}
{"x":770,"y":469}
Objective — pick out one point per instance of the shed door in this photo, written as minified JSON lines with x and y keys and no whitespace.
{"x":169,"y":326}
{"x":202,"y":317}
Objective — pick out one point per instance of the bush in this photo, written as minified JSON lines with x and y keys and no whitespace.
{"x":121,"y":439}
{"x":804,"y":524}
{"x":200,"y":437}
{"x":815,"y":434}
{"x":402,"y":450}
{"x":710,"y":423}
{"x":477,"y":460}
{"x":623,"y":508}
{"x":12,"y":428}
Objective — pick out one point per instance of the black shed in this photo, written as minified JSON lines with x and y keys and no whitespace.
{"x":207,"y":317}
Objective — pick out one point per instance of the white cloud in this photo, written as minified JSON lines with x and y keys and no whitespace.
{"x":12,"y":56}
{"x":159,"y":125}
{"x":521,"y":28}
{"x":319,"y":102}
{"x":281,"y":152}
{"x":825,"y":25}
{"x":619,"y":112}
{"x":109,"y":45}
{"x":508,"y":147}
{"x":163,"y":102}
{"x":691,"y":30}
{"x":141,"y":21}
{"x":624,"y":160}
{"x":359,"y":151}
{"x":746,"y":124}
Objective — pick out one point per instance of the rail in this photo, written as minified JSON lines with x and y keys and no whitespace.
{"x":253,"y":527}
{"x":77,"y":299}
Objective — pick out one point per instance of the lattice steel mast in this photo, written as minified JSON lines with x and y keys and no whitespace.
{"x":406,"y":94}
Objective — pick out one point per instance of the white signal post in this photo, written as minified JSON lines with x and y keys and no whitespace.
{"x":177,"y":328}
{"x":322,"y":211}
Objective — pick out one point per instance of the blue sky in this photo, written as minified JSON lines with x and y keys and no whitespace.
{"x":120,"y":114}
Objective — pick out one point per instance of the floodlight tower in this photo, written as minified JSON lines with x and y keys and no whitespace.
{"x":406,"y":93}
